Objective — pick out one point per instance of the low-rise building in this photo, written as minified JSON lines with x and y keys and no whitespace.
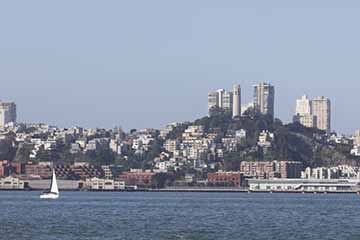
{"x":271,"y":169}
{"x":240,"y":134}
{"x":266,"y":138}
{"x":337,"y":172}
{"x":137,"y":178}
{"x":234,"y":179}
{"x":42,"y":171}
{"x":171,"y":145}
{"x":11,"y":183}
{"x":107,"y":171}
{"x":325,"y":185}
{"x":307,"y":120}
{"x":355,"y":150}
{"x":104,"y":184}
{"x":75,"y":148}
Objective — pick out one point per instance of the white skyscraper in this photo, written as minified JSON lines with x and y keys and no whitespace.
{"x":221,"y":99}
{"x":236,"y":101}
{"x":227,"y":101}
{"x":303,"y":112}
{"x":303,"y":106}
{"x":221,"y":93}
{"x":7,"y":113}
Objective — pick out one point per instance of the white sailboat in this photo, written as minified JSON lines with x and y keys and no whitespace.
{"x":54,"y":191}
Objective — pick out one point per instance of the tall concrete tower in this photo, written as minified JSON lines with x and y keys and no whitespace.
{"x":321,"y":108}
{"x":236,"y":101}
{"x":264,"y":98}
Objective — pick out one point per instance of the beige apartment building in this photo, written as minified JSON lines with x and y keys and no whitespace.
{"x":313,"y":113}
{"x":321,"y":108}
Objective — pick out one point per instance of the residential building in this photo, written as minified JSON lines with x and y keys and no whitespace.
{"x":240,"y":134}
{"x":227,"y":101}
{"x":321,"y":108}
{"x":75,"y":148}
{"x":355,"y":150}
{"x":303,"y":106}
{"x":234,"y":179}
{"x":271,"y":169}
{"x":337,"y":172}
{"x":245,"y":107}
{"x":313,"y":113}
{"x":307,"y":120}
{"x":170,"y":127}
{"x":357,"y":138}
{"x":262,"y":170}
{"x":7,"y":113}
{"x":266,"y":138}
{"x":221,"y":99}
{"x":213,"y":100}
{"x":171,"y":145}
{"x":264,"y":98}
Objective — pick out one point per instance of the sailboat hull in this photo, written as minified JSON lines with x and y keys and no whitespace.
{"x":53,"y":193}
{"x":49,"y":196}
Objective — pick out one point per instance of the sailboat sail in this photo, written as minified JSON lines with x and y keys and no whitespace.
{"x":54,"y":186}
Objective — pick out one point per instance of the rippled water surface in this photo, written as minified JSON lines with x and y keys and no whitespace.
{"x":89,"y":215}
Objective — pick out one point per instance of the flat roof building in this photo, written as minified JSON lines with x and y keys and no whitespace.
{"x":234,"y":179}
{"x":312,"y":185}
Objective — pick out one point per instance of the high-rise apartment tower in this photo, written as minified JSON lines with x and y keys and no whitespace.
{"x":264,"y":98}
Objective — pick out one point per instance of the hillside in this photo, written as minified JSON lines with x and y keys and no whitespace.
{"x":291,"y":142}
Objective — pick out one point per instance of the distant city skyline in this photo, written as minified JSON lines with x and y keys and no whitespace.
{"x":147,"y":66}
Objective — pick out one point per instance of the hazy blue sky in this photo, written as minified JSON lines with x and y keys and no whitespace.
{"x":146,"y":63}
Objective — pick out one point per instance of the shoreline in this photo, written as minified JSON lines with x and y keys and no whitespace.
{"x":193,"y":190}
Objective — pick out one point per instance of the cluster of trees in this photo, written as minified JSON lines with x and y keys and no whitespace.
{"x":292,"y":141}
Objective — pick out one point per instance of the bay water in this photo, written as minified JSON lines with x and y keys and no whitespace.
{"x":150,"y":215}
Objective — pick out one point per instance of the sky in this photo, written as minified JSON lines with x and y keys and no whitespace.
{"x":142,"y":63}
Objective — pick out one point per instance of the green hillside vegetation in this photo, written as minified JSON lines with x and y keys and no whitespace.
{"x":292,"y":141}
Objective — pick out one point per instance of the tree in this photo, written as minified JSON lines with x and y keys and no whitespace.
{"x":232,"y":161}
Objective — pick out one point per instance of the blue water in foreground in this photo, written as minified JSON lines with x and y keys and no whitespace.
{"x":89,"y":215}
